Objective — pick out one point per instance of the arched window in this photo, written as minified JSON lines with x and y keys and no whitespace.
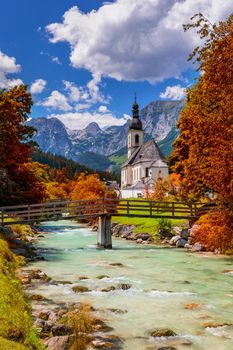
{"x":136,"y":140}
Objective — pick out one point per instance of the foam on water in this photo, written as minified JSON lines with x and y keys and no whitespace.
{"x":163,"y":282}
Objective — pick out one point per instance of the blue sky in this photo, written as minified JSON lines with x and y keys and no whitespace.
{"x":83,"y":60}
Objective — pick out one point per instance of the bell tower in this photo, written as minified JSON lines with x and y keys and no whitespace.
{"x":135,"y":133}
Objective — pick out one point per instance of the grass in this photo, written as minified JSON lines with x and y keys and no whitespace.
{"x":146,"y":225}
{"x":16,"y":326}
{"x":82,"y":324}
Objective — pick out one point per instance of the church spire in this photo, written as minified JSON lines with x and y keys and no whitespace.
{"x":135,"y":123}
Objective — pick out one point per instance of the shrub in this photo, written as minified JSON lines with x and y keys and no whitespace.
{"x":82,"y":323}
{"x":215,"y":231}
{"x":16,"y":325}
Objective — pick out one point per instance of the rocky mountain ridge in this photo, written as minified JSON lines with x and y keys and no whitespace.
{"x":159,"y":119}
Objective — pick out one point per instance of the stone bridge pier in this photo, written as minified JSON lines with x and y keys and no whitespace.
{"x":104,"y":239}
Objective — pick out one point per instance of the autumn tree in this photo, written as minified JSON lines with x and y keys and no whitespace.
{"x":19,"y":183}
{"x":88,"y":187}
{"x":203,"y":151}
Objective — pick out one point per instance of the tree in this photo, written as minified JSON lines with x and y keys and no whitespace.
{"x":88,"y":187}
{"x":19,"y":183}
{"x":203,"y":152}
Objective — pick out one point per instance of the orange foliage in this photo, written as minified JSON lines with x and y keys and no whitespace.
{"x":215,"y":231}
{"x":55,"y":190}
{"x":19,"y":182}
{"x":88,"y":187}
{"x":160,"y":189}
{"x":203,"y":151}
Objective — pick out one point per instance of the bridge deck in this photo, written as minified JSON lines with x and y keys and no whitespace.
{"x":85,"y":209}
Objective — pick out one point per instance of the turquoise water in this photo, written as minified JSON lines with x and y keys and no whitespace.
{"x":163,"y":281}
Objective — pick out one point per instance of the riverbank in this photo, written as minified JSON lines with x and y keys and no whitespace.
{"x":44,"y":323}
{"x":17,"y":331}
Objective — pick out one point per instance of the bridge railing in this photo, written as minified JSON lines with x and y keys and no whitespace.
{"x":82,"y":209}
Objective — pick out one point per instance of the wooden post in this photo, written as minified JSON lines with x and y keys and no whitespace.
{"x":104,"y":232}
{"x":127,"y":207}
{"x":2,"y":216}
{"x":150,"y":208}
{"x":29,"y":216}
{"x":173,"y":209}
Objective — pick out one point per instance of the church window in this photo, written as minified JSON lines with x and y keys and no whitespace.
{"x":137,"y":140}
{"x":147,"y":172}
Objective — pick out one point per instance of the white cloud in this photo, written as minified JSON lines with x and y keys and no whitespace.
{"x":134,"y":40}
{"x":38,"y":86}
{"x":74,"y":92}
{"x":8,"y":65}
{"x":80,"y":120}
{"x":56,"y":101}
{"x":55,"y":60}
{"x":175,"y":92}
{"x":103,"y":109}
{"x":52,"y":58}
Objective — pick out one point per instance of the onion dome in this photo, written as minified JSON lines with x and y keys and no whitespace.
{"x":135,"y":123}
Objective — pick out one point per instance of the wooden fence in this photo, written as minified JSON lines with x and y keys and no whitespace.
{"x":85,"y":209}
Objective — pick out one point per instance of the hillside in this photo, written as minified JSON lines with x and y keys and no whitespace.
{"x":96,"y":148}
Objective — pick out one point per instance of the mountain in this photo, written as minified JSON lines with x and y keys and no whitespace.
{"x":51,"y":135}
{"x":95,"y":147}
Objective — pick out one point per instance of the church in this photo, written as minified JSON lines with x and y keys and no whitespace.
{"x":145,"y":161}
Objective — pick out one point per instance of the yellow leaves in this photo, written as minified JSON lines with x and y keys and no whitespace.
{"x":203,"y":151}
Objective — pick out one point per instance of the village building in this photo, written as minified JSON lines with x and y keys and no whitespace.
{"x":145,"y":161}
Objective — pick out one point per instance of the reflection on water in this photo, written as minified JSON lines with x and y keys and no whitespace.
{"x":162,"y":282}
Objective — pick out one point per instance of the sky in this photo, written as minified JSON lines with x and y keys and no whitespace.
{"x":84,"y":60}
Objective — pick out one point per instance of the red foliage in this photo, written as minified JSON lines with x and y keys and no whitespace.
{"x":215,"y":231}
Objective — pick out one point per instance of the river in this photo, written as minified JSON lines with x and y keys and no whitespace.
{"x":163,"y":281}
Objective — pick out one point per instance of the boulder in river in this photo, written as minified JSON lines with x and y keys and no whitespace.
{"x":59,"y":342}
{"x":181,"y":243}
{"x":144,"y":236}
{"x":185,"y":233}
{"x":108,"y":289}
{"x":100,"y":277}
{"x":197,"y":247}
{"x":162,"y":332}
{"x":124,"y":286}
{"x":80,"y":289}
{"x":174,"y":240}
{"x":117,"y":264}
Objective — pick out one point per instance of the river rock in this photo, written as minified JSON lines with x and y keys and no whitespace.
{"x":162,"y":332}
{"x":167,"y":348}
{"x":185,"y":233}
{"x":60,"y":329}
{"x":165,"y":234}
{"x":139,"y":240}
{"x":81,"y":278}
{"x":173,"y":240}
{"x":59,"y":342}
{"x":181,"y":243}
{"x":197,"y":247}
{"x":188,"y":246}
{"x":80,"y":289}
{"x":117,"y":264}
{"x":100,"y":277}
{"x":124,"y":286}
{"x":122,"y":229}
{"x":194,"y":229}
{"x":144,"y":236}
{"x":108,"y":289}
{"x":177,"y":230}
{"x":131,"y":237}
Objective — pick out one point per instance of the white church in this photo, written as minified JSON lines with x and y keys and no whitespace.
{"x":145,"y":161}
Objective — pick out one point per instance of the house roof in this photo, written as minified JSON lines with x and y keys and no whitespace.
{"x":148,"y":152}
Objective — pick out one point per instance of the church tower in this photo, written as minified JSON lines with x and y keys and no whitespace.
{"x":135,"y":133}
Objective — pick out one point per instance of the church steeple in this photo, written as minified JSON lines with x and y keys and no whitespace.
{"x":135,"y":133}
{"x":135,"y":123}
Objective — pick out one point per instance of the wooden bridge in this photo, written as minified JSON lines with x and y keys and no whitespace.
{"x":103,"y":209}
